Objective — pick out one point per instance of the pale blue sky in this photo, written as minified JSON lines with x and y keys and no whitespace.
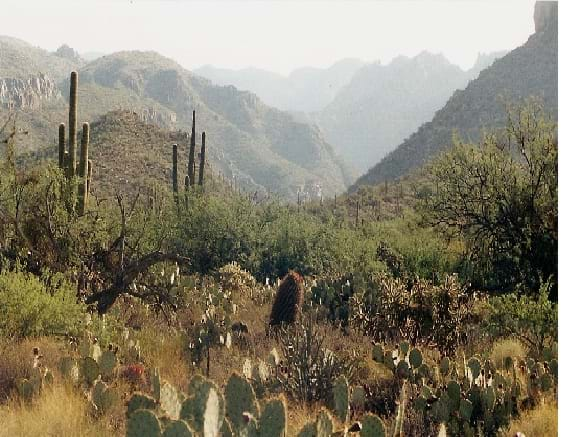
{"x":274,"y":35}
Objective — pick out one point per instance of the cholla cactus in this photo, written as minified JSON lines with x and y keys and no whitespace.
{"x":288,"y":300}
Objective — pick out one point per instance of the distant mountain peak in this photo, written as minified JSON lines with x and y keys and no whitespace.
{"x":67,"y":52}
{"x":546,"y":14}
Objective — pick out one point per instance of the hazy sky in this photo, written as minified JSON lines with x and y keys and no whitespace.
{"x":274,"y":35}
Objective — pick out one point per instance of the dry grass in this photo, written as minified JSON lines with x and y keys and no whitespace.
{"x":16,"y":360}
{"x":165,"y":349}
{"x":58,"y":412}
{"x":509,"y":347}
{"x":540,"y":422}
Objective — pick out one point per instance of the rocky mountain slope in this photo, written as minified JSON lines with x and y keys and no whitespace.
{"x":383,"y":104}
{"x":304,"y":90}
{"x":261,"y":147}
{"x":529,"y":70}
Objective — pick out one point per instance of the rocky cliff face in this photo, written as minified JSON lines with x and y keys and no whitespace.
{"x":546,"y":14}
{"x":27,"y":93}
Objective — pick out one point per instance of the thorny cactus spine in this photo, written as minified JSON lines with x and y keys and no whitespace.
{"x":288,"y":300}
{"x":202,"y":160}
{"x":72,"y":128}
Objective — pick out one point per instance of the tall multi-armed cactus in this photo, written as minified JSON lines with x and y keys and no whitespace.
{"x":191,"y":161}
{"x":175,"y":168}
{"x":67,"y":158}
{"x":288,"y":300}
{"x":62,"y":145}
{"x":72,"y":124}
{"x":202,"y":160}
{"x":83,"y":170}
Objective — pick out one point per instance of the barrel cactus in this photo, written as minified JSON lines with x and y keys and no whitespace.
{"x":288,"y":300}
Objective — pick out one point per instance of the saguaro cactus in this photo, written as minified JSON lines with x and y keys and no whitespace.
{"x":175,"y":168}
{"x":89,"y":181}
{"x":191,"y":162}
{"x":83,"y":170}
{"x":62,"y":144}
{"x":202,"y":160}
{"x":72,"y":116}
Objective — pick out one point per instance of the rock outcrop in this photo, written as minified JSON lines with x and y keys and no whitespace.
{"x":27,"y":93}
{"x":546,"y":14}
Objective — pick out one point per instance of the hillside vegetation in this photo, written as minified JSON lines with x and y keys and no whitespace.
{"x":199,"y":311}
{"x":261,"y":148}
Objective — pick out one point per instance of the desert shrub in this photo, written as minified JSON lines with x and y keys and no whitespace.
{"x":509,"y":347}
{"x":391,"y":309}
{"x":29,"y":308}
{"x":308,"y":367}
{"x":415,"y":250}
{"x":533,"y":320}
{"x":501,"y":197}
{"x":213,"y":231}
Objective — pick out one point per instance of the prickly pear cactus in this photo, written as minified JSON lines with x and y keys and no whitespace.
{"x":308,"y":430}
{"x":49,"y":378}
{"x":324,"y":424}
{"x":404,"y":348}
{"x":415,"y":358}
{"x":240,"y":398}
{"x":403,"y":370}
{"x":25,"y":389}
{"x":474,"y":366}
{"x":107,"y":363}
{"x":204,"y":408}
{"x":104,"y":397}
{"x":465,"y":409}
{"x":378,"y":353}
{"x":140,"y":401}
{"x":226,"y":429}
{"x":389,"y":360}
{"x":155,"y":383}
{"x":249,"y":426}
{"x":170,"y":400}
{"x":372,"y":426}
{"x":358,"y":398}
{"x":66,"y":366}
{"x":177,"y":428}
{"x":143,"y":423}
{"x":90,"y":370}
{"x":340,"y":391}
{"x":444,"y":366}
{"x":273,"y":420}
{"x":214,"y":413}
{"x":454,"y":394}
{"x":488,"y":398}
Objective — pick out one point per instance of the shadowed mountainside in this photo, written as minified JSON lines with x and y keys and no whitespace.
{"x":529,"y":70}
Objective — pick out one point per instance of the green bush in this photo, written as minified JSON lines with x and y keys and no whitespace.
{"x":29,"y":308}
{"x":531,"y":319}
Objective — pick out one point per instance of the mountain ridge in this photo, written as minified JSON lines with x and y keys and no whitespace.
{"x":528,"y":70}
